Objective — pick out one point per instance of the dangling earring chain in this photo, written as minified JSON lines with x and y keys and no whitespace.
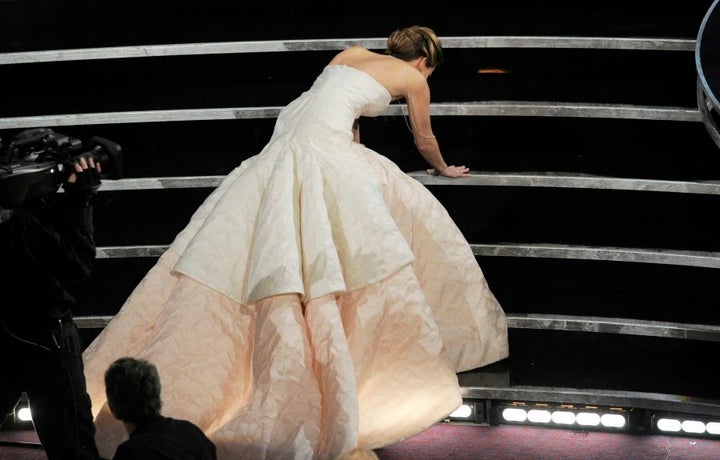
{"x":407,"y":102}
{"x":407,"y":123}
{"x":405,"y":118}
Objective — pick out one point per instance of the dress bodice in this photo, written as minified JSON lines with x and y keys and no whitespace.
{"x":339,"y":95}
{"x":368,"y":96}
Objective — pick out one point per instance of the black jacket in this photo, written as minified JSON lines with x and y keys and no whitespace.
{"x":165,"y":438}
{"x":45,"y":252}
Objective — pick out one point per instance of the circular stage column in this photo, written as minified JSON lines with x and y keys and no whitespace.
{"x":707,"y":61}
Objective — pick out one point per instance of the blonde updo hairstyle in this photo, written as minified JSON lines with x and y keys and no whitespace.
{"x":414,"y":42}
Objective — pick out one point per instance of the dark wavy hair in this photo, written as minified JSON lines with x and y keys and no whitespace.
{"x":133,"y":387}
{"x":414,"y":42}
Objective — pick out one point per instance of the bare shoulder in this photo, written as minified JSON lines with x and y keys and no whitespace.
{"x":350,"y":55}
{"x":397,"y":76}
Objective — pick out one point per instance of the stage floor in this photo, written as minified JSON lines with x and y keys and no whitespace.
{"x":477,"y":442}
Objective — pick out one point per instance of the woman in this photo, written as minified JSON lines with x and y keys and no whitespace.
{"x":320,"y":299}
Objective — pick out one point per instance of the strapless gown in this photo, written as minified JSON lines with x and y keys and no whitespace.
{"x":318,"y":300}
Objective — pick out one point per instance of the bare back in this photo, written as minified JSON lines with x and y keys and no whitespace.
{"x":404,"y":79}
{"x":399,"y":77}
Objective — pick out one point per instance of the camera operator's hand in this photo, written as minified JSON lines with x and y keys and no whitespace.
{"x":82,"y":184}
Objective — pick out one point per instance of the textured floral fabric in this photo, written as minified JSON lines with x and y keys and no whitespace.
{"x":319,"y":299}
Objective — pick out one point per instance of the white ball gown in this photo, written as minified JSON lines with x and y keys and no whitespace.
{"x":318,"y":300}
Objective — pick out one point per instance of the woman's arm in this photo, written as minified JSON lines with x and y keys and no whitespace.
{"x":418,"y":102}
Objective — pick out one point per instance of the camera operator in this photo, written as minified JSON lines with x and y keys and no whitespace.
{"x":47,"y":247}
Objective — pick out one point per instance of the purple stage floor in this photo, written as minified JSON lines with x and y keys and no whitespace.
{"x":471,"y":442}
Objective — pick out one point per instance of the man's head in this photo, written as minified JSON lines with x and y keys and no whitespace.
{"x":132,"y":387}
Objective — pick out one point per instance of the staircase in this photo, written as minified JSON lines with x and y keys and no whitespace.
{"x":596,"y":164}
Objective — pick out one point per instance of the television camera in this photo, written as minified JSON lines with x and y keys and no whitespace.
{"x":37,"y":161}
